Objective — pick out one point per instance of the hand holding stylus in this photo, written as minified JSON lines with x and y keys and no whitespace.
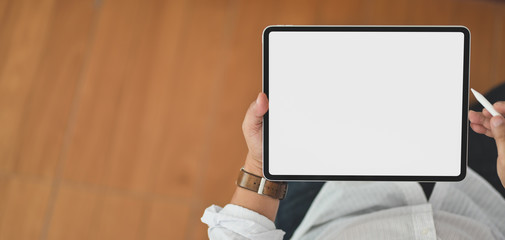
{"x":491,"y":123}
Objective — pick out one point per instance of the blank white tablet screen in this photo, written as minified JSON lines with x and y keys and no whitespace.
{"x":365,"y":103}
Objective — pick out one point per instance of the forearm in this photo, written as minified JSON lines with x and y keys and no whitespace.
{"x":261,"y":204}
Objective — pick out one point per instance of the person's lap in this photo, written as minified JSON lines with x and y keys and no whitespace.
{"x":482,"y":156}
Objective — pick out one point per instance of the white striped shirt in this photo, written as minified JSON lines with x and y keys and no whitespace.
{"x":470,"y":209}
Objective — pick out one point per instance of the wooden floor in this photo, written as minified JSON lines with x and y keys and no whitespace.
{"x":121,"y":119}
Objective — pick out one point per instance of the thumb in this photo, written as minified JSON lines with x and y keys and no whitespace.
{"x":254,"y":116}
{"x":498,"y":130}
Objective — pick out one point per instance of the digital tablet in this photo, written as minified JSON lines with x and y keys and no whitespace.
{"x":382,"y":103}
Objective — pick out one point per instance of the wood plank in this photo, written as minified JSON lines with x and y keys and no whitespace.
{"x":431,"y":12}
{"x":4,"y":9}
{"x":144,"y":106}
{"x":387,"y":12}
{"x":89,"y":213}
{"x":22,"y":38}
{"x":135,"y":143}
{"x":241,"y":84}
{"x":23,"y":202}
{"x":345,"y":12}
{"x":499,"y":45}
{"x":297,"y":12}
{"x":167,"y":220}
{"x":88,"y":152}
{"x":47,"y":109}
{"x":74,"y":213}
{"x":194,"y":86}
{"x":120,"y":217}
{"x":116,"y":139}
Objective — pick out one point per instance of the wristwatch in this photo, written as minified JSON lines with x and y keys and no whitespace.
{"x":249,"y":181}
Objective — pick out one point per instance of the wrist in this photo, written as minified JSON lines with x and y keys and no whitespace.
{"x":253,"y":166}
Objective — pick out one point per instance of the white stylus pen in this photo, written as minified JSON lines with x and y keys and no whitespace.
{"x":485,"y":103}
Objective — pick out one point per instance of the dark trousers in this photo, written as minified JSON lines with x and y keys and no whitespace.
{"x":482,"y":156}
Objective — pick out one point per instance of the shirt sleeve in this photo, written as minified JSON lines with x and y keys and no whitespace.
{"x":236,"y":222}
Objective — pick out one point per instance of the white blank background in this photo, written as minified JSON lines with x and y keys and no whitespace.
{"x":365,"y":103}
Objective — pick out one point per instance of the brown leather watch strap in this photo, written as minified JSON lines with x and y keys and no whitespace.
{"x":276,"y":190}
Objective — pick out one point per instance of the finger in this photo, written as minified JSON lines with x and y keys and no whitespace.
{"x":254,"y":115}
{"x":481,"y":129}
{"x":499,"y":107}
{"x":498,"y":129}
{"x":262,"y":105}
{"x":478,"y":128}
{"x":479,"y":118}
{"x":487,"y":117}
{"x":486,"y":113}
{"x":475,"y":117}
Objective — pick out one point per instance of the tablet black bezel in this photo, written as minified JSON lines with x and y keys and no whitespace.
{"x":464,"y":130}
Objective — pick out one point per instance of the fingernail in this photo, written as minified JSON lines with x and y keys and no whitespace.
{"x":497,"y":122}
{"x":258,"y":97}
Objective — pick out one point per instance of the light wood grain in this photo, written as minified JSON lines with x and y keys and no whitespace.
{"x":387,"y":12}
{"x":239,"y":87}
{"x":53,"y":89}
{"x":119,"y":217}
{"x":89,"y":213}
{"x":74,"y":213}
{"x":196,"y":81}
{"x":167,"y":220}
{"x":23,"y":202}
{"x":344,"y":12}
{"x":22,"y":37}
{"x":432,"y":12}
{"x":121,"y":119}
{"x":144,"y":109}
{"x":498,"y":60}
{"x":110,"y":108}
{"x":83,"y":212}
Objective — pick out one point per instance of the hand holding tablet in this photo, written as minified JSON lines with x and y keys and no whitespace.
{"x":251,"y":128}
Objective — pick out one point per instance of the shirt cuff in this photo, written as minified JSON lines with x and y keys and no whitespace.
{"x":234,"y":221}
